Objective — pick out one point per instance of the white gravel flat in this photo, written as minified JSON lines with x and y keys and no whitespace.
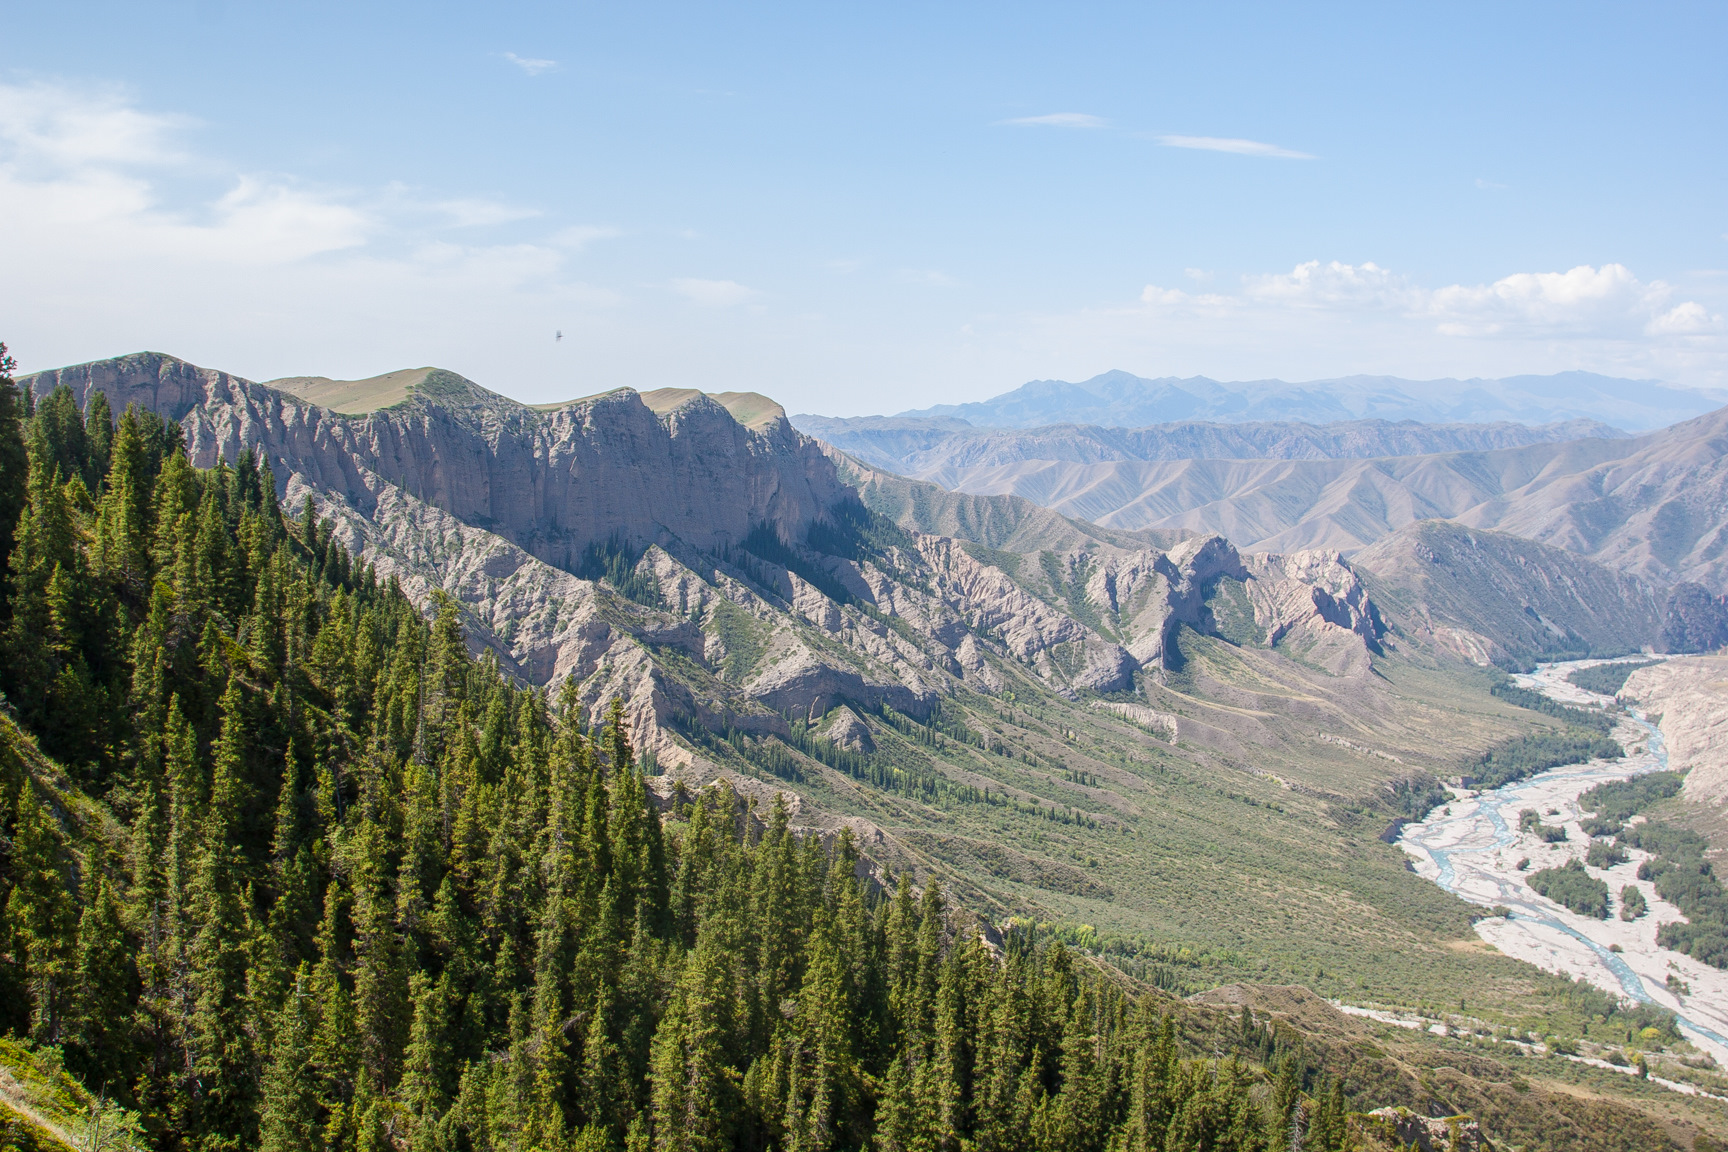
{"x":1472,"y":847}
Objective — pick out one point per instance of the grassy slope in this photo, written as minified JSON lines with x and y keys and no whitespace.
{"x":1247,"y":850}
{"x":353,"y":397}
{"x":44,"y":1108}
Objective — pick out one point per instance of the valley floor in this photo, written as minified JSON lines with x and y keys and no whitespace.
{"x":1474,"y":848}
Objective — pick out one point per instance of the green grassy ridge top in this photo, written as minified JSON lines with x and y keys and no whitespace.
{"x":388,"y":389}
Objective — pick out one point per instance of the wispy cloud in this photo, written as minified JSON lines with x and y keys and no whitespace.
{"x":578,"y":237}
{"x":473,"y":213}
{"x":1231,"y":144}
{"x":1489,"y":185}
{"x":1059,"y":120}
{"x":529,"y":64}
{"x":112,"y":225}
{"x":52,"y":125}
{"x":713,"y":293}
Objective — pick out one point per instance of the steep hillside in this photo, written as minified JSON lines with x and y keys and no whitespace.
{"x":555,"y":483}
{"x":1122,"y":400}
{"x":949,"y":452}
{"x":1178,"y":759}
{"x":1489,"y":596}
{"x":1008,"y":523}
{"x":1650,"y":506}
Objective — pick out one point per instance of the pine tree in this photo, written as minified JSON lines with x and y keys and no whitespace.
{"x":41,"y":917}
{"x":98,"y":1037}
{"x":290,"y":1106}
{"x":14,"y":466}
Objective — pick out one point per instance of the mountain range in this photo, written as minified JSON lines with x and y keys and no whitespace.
{"x":949,"y":451}
{"x":1175,"y":751}
{"x":1122,"y":400}
{"x":1651,"y":505}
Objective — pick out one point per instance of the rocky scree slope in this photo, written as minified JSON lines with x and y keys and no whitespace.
{"x":1653,"y":506}
{"x":1490,"y":597}
{"x":714,"y":573}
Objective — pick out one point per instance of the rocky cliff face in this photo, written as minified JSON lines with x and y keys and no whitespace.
{"x":552,"y":482}
{"x":720,"y":574}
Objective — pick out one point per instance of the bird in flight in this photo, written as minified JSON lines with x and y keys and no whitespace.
{"x":557,"y":336}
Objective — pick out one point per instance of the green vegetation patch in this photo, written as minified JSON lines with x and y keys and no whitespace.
{"x":744,"y":637}
{"x":1590,"y":719}
{"x":1570,"y":885}
{"x":1605,"y":854}
{"x":1615,"y":802}
{"x":1529,"y":820}
{"x":1538,"y":752}
{"x":1684,"y":878}
{"x":44,"y":1108}
{"x":1233,"y":612}
{"x":617,"y":563}
{"x":1607,"y":679}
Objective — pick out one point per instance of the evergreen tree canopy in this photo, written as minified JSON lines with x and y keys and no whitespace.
{"x":360,"y":888}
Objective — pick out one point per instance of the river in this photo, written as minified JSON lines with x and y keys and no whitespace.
{"x":1472,"y":848}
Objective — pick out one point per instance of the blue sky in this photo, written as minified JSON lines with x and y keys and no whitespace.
{"x":863,"y":208}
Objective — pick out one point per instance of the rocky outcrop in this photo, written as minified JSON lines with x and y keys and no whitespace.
{"x":1313,"y":603}
{"x":1406,"y":1129}
{"x":847,"y":729}
{"x":552,"y":482}
{"x":1690,"y":694}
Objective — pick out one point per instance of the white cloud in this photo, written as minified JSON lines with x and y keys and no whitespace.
{"x":1489,"y":185}
{"x":1059,"y":120}
{"x":53,"y":126}
{"x":1231,"y":144}
{"x":713,"y":293}
{"x":1583,"y":303}
{"x":579,"y":236}
{"x":117,"y":237}
{"x":530,"y":65}
{"x":1688,"y":319}
{"x":1331,"y":285}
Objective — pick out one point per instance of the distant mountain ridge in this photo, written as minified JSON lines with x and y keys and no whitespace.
{"x":1122,"y":400}
{"x":947,"y":450}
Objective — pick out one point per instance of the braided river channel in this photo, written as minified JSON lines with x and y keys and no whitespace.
{"x":1472,"y":847}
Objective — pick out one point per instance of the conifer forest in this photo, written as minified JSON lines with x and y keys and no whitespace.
{"x":287,"y":868}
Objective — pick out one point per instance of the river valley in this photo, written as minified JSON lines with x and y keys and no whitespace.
{"x":1473,"y":847}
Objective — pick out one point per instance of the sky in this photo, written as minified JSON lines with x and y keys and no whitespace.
{"x":866,"y":208}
